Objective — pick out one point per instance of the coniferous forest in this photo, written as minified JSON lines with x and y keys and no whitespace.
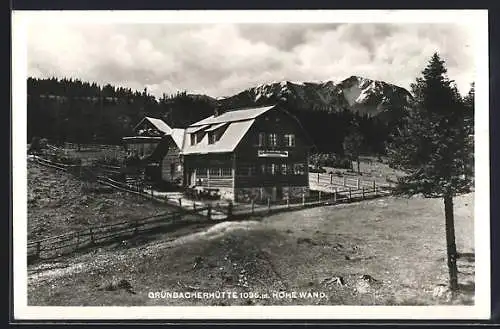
{"x":71,"y":110}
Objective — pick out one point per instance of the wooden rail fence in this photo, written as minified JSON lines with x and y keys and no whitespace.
{"x":101,"y":234}
{"x":340,"y":190}
{"x":321,"y":199}
{"x":331,"y":180}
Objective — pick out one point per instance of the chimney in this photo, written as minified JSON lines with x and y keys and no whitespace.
{"x":218,"y":110}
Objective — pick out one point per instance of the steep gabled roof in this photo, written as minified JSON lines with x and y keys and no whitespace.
{"x":227,"y":143}
{"x":217,"y":126}
{"x":235,"y":124}
{"x":157,"y":123}
{"x":234,"y":115}
{"x":178,"y":137}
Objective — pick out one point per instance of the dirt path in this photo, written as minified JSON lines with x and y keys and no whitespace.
{"x":47,"y":272}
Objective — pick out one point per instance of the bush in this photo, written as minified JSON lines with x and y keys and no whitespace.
{"x":319,"y":160}
{"x":37,"y":145}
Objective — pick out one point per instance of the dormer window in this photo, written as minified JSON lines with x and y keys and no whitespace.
{"x":211,"y":137}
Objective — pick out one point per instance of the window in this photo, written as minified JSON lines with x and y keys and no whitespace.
{"x":247,"y":170}
{"x":284,"y":169}
{"x":214,"y":171}
{"x":201,"y":172}
{"x":262,"y":139}
{"x":272,"y":169}
{"x":193,"y":139}
{"x":172,"y":169}
{"x":211,"y":137}
{"x":273,"y":140}
{"x":227,"y":172}
{"x":290,"y":140}
{"x":298,"y":169}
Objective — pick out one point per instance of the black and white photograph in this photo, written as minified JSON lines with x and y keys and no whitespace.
{"x":222,"y":164}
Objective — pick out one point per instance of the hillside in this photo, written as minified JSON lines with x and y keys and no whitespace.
{"x":58,"y":204}
{"x":357,"y":94}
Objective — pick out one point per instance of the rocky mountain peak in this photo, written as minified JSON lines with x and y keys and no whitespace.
{"x":355,"y":93}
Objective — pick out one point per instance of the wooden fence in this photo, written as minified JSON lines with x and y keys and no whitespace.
{"x":339,"y":190}
{"x":97,"y":147}
{"x":331,"y":180}
{"x":316,"y":200}
{"x":58,"y":245}
{"x":103,"y":234}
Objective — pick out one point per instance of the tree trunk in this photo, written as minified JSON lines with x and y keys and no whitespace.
{"x":451,"y":247}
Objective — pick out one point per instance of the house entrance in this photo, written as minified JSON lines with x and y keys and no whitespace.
{"x":277,"y":193}
{"x":192,"y":177}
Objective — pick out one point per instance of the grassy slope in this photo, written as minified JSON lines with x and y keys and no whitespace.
{"x":399,"y":242}
{"x":371,"y":169}
{"x":57,"y":204}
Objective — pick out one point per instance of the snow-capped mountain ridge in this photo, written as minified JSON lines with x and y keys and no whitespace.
{"x":359,"y":94}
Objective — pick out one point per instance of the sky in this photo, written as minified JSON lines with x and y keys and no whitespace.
{"x":223,"y":59}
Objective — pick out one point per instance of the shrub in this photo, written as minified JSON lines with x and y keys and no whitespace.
{"x":319,"y":160}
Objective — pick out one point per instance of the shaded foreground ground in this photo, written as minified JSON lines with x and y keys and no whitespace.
{"x":389,"y":251}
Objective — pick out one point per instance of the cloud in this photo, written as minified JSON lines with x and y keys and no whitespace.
{"x":222,"y":59}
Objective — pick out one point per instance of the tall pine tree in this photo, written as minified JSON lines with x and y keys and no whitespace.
{"x":431,"y":145}
{"x":352,"y":144}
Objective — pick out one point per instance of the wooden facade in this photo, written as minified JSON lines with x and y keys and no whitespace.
{"x":171,"y":164}
{"x":248,"y":154}
{"x":153,"y":142}
{"x":270,"y":161}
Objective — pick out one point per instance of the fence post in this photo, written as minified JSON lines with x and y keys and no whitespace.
{"x":318,"y":178}
{"x":374,"y":185}
{"x":343,"y":183}
{"x":363,"y":192}
{"x":229,"y":209}
{"x":194,"y":205}
{"x":180,"y":202}
{"x":319,"y":196}
{"x":335,"y":196}
{"x":288,"y":201}
{"x":350,"y":194}
{"x":268,"y":204}
{"x":209,"y":211}
{"x":152,"y":192}
{"x":252,"y":205}
{"x":357,"y":184}
{"x":331,"y":178}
